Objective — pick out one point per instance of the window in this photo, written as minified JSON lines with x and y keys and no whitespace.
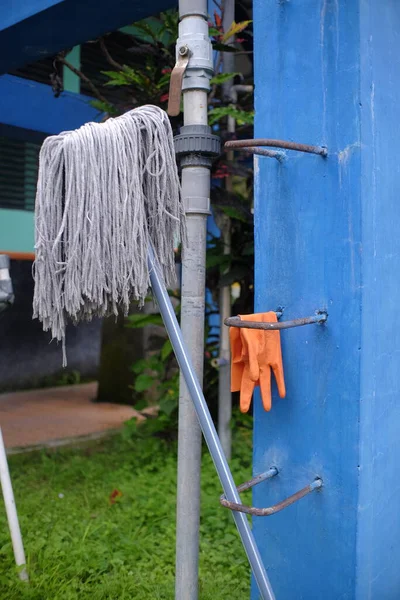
{"x":18,"y":173}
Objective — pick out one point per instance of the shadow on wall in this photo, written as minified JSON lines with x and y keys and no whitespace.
{"x":27,"y":358}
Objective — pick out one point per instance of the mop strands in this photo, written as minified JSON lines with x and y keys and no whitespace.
{"x":105,"y":193}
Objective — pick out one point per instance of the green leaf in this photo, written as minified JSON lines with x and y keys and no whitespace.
{"x":234,"y":29}
{"x":217,"y":260}
{"x":136,"y":77}
{"x":168,"y":404}
{"x":137,"y":321}
{"x":145,"y":27}
{"x":171,"y":19}
{"x":153,"y":363}
{"x":222,"y":77}
{"x":242,"y":117}
{"x":116,"y":77}
{"x":163,"y":81}
{"x":104,"y":107}
{"x":233,"y":213}
{"x":139,"y":366}
{"x":166,"y":350}
{"x":214,"y":32}
{"x":127,"y":76}
{"x":143,"y":382}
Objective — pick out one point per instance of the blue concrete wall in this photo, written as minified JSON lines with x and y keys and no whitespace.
{"x":327,"y":72}
{"x":378,"y":543}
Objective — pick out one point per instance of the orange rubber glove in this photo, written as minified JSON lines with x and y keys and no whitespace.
{"x":254,"y":353}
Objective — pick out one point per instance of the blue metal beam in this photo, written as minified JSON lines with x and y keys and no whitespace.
{"x":31,"y":30}
{"x":31,"y":106}
{"x":12,"y":11}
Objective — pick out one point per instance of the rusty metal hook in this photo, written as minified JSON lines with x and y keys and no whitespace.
{"x":280,"y":156}
{"x":270,"y":510}
{"x":320,"y":317}
{"x":247,"y":145}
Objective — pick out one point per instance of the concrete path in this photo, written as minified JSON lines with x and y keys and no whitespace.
{"x":53,"y":415}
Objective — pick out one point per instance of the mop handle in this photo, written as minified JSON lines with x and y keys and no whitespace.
{"x":207,"y":426}
{"x":11,"y":511}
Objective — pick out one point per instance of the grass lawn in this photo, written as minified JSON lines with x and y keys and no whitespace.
{"x":80,"y":544}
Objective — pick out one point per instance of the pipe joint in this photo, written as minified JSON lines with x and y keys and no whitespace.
{"x":190,"y":8}
{"x":199,"y":205}
{"x":197,"y":139}
{"x":193,"y":34}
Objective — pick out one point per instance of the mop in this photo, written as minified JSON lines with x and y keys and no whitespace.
{"x":108,"y":208}
{"x":104,"y":193}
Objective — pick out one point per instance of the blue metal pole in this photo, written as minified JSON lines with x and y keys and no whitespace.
{"x":207,"y":426}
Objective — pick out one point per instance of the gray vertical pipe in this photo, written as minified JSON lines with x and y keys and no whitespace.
{"x":204,"y":418}
{"x":193,"y":31}
{"x":224,"y":375}
{"x":224,"y":371}
{"x":224,"y":379}
{"x":195,"y":188}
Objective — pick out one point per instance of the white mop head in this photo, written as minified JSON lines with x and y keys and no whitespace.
{"x":105,"y":192}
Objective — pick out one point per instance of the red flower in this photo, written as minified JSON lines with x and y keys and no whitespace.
{"x":221,"y":172}
{"x":164,"y":97}
{"x":115,"y":494}
{"x":218,"y":20}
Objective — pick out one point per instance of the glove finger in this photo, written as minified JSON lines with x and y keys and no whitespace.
{"x":236,"y":376}
{"x":246,"y":391}
{"x":235,"y":343}
{"x":236,"y":359}
{"x":280,"y":380}
{"x":265,"y":386}
{"x":251,"y":341}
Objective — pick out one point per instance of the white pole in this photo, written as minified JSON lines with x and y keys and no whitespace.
{"x":11,"y":511}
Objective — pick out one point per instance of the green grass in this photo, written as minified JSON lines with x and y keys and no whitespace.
{"x":82,"y":546}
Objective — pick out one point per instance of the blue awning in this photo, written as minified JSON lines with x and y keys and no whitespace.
{"x":33,"y":29}
{"x":32,"y":107}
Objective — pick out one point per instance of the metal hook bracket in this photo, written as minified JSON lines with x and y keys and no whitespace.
{"x":270,"y":510}
{"x":318,"y":318}
{"x":256,"y":147}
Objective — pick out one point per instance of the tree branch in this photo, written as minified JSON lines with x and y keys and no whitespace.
{"x":83,"y":77}
{"x":108,"y":56}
